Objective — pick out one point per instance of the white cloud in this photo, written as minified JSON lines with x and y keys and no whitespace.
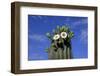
{"x":36,"y":56}
{"x":68,"y":19}
{"x":38,"y":37}
{"x":78,"y":23}
{"x":83,"y":21}
{"x":36,"y":16}
{"x":33,"y":16}
{"x":84,"y":36}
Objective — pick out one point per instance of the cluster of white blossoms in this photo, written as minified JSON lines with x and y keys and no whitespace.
{"x":62,"y":35}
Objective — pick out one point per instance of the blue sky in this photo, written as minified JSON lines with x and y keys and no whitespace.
{"x":39,"y":25}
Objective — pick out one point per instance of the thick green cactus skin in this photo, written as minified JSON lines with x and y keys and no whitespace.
{"x":60,"y":48}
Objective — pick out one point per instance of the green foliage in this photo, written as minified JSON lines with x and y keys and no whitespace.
{"x":64,"y":29}
{"x":71,"y":34}
{"x":49,"y":36}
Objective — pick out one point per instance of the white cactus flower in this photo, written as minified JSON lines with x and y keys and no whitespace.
{"x":64,"y":35}
{"x":56,"y":37}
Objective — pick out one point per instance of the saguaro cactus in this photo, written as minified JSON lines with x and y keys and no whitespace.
{"x":60,"y":47}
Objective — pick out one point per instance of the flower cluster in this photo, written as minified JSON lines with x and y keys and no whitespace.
{"x":62,"y":35}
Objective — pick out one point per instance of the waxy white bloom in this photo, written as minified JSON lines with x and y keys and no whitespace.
{"x":64,"y":35}
{"x":56,"y":37}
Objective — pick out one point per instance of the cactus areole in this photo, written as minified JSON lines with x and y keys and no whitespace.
{"x":60,"y":47}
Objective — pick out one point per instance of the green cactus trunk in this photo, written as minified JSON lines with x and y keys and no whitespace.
{"x":51,"y":53}
{"x":69,"y":52}
{"x":60,"y":53}
{"x":65,"y":53}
